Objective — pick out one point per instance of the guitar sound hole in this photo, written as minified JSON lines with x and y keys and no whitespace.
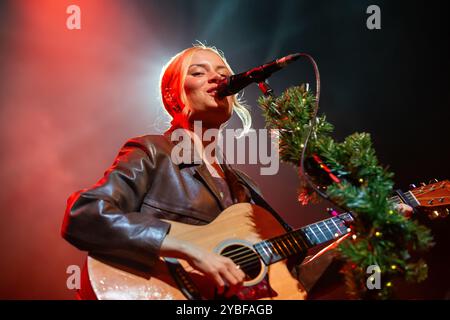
{"x":245,"y":258}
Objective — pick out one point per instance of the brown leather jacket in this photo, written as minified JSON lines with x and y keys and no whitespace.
{"x":120,"y":215}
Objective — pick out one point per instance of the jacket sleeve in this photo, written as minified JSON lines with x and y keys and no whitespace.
{"x":105,"y":219}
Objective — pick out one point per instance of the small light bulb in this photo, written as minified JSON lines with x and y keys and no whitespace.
{"x":354,"y":236}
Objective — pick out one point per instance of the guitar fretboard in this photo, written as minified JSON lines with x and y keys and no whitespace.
{"x":298,"y":241}
{"x":409,"y":197}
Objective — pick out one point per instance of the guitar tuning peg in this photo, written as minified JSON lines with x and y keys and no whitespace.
{"x":412,"y":186}
{"x":433,"y":180}
{"x":439,"y":214}
{"x":423,"y":184}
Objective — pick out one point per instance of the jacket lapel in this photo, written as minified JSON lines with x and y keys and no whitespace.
{"x":206,"y":177}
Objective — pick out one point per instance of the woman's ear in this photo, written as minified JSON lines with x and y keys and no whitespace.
{"x":171,"y":101}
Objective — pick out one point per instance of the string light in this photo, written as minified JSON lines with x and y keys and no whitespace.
{"x":378,"y":234}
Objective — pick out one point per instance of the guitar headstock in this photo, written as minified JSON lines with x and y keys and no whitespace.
{"x":434,"y":198}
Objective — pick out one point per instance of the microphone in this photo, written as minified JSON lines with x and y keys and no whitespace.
{"x":235,"y":83}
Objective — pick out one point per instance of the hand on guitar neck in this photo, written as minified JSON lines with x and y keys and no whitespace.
{"x":404,"y":209}
{"x":226,"y":275}
{"x":432,"y":198}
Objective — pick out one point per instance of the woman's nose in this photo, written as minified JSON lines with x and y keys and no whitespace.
{"x":215,"y":77}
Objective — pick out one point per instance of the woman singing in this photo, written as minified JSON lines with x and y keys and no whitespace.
{"x":120,"y":216}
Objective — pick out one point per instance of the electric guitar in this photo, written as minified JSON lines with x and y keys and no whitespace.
{"x":256,"y":242}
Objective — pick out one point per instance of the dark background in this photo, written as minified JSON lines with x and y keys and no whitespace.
{"x":69,"y":99}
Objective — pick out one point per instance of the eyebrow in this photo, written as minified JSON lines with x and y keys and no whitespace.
{"x":204,"y":66}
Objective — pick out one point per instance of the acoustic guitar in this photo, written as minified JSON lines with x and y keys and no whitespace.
{"x":255,"y":240}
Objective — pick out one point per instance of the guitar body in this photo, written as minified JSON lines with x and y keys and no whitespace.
{"x":233,"y":232}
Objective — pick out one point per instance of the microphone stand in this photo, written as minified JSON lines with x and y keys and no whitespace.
{"x":268,"y":92}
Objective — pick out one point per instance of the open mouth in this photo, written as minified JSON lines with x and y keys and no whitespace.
{"x":212,"y":92}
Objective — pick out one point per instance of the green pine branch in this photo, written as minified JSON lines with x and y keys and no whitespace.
{"x":383,"y":236}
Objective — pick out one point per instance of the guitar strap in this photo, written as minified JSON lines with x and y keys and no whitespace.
{"x":184,"y":282}
{"x":294,"y":263}
{"x":259,"y":200}
{"x":256,"y":197}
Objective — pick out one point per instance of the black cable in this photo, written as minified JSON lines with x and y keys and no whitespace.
{"x":267,"y":91}
{"x":305,"y":143}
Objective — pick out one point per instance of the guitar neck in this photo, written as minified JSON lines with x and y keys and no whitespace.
{"x":405,"y":197}
{"x":300,"y":240}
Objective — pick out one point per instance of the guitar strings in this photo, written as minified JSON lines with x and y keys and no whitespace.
{"x":251,"y":257}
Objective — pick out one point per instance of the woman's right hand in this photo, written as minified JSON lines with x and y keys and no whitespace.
{"x":226,"y":275}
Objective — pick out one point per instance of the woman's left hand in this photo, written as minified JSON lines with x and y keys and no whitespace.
{"x":404,"y":209}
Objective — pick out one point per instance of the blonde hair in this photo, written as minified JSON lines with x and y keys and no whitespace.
{"x":172,"y":92}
